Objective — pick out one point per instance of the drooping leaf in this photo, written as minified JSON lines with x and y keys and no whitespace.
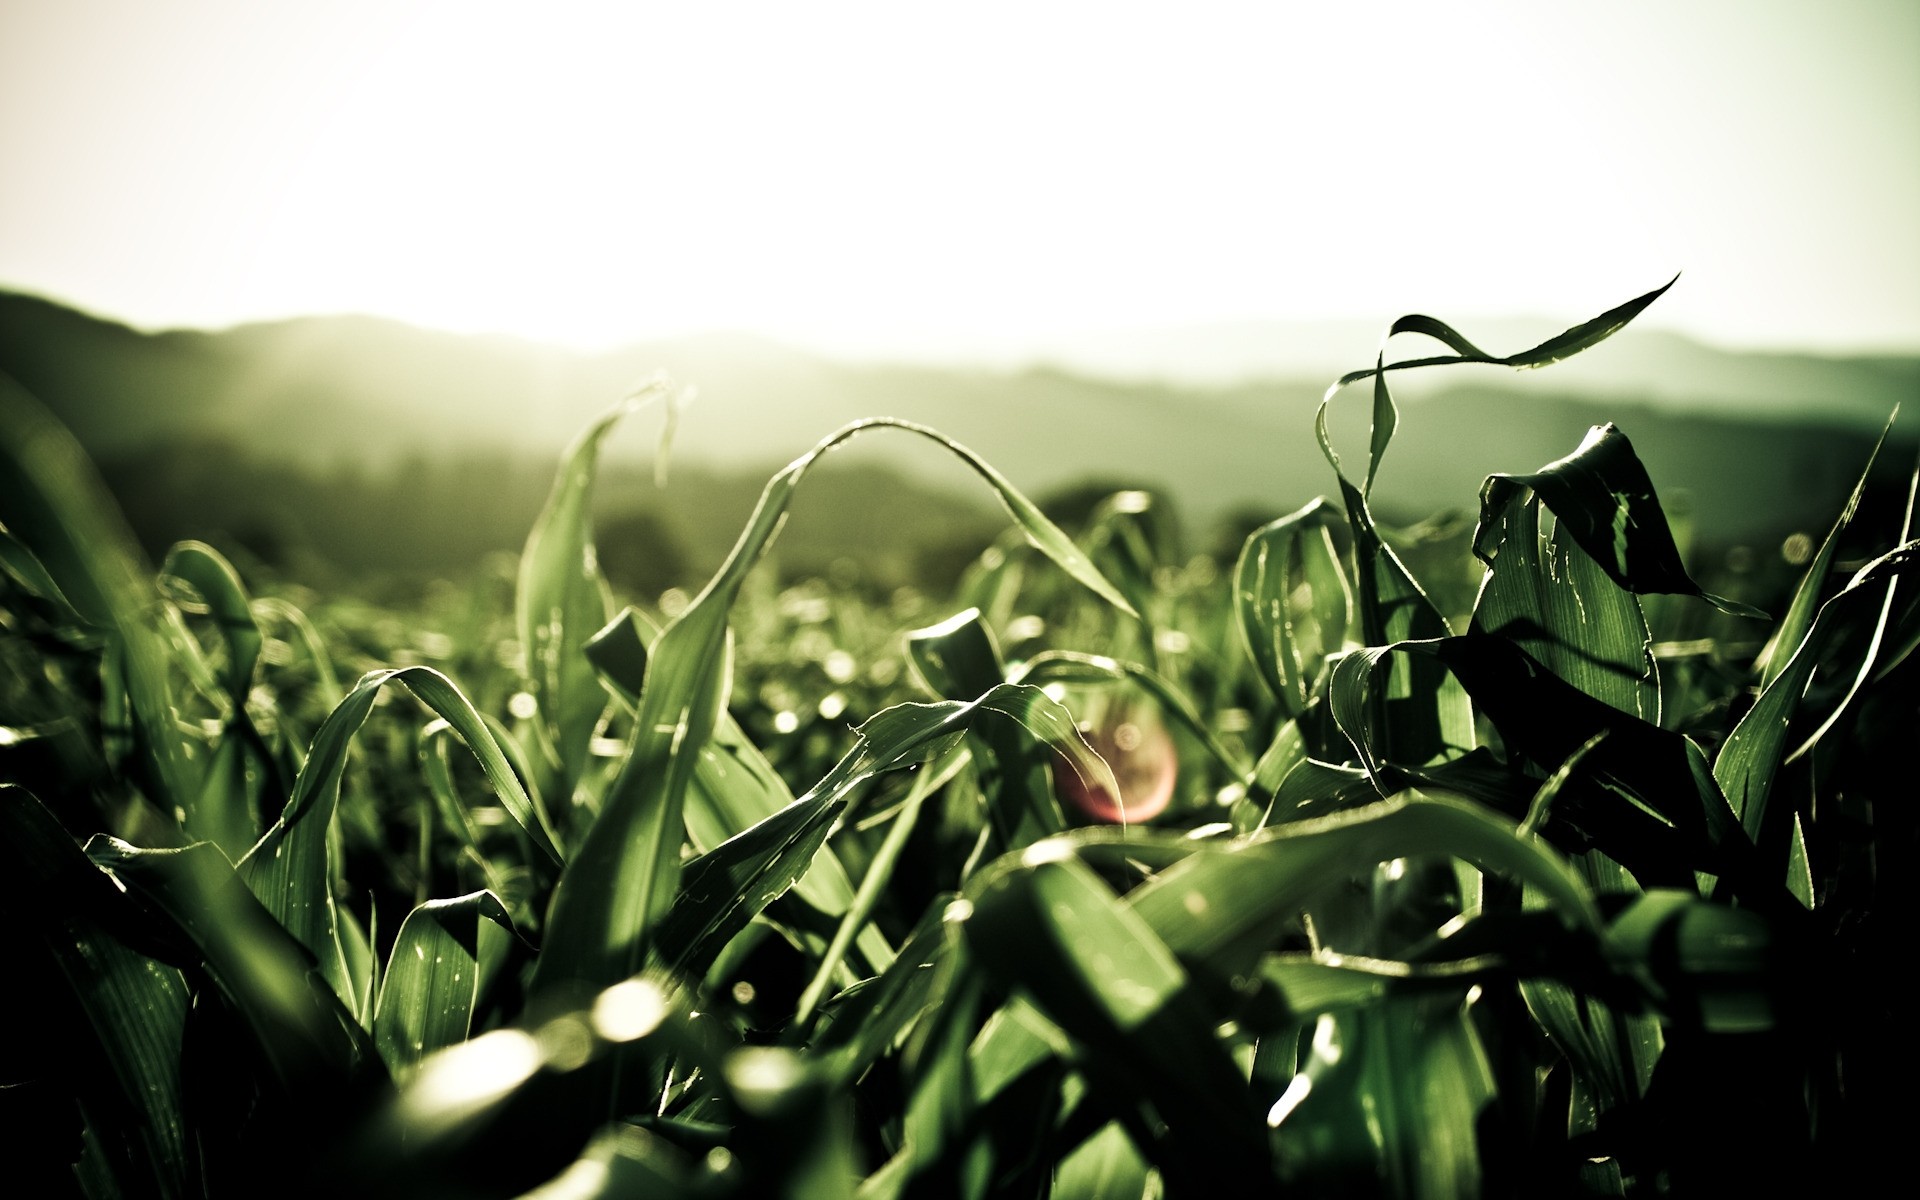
{"x":446,"y":953}
{"x":288,"y":868}
{"x":1547,"y":595}
{"x":1605,"y":501}
{"x":626,"y":873}
{"x":1562,"y":345}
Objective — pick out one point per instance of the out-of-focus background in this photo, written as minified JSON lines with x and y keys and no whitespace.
{"x":331,"y":286}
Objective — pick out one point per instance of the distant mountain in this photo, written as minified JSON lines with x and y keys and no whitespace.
{"x":1650,"y":362}
{"x":1763,"y":443}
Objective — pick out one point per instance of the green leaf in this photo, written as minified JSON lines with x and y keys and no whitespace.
{"x":1106,"y":1166}
{"x":26,"y":569}
{"x":734,"y":787}
{"x":1793,"y":628}
{"x":1755,"y":750}
{"x":1219,"y":910}
{"x":54,"y":503}
{"x":1604,"y":500}
{"x":1644,"y":794}
{"x":727,"y":887}
{"x":1291,"y":601}
{"x":1387,"y":1103}
{"x":1548,"y":596}
{"x":1562,"y":345}
{"x":299,"y":1023}
{"x":224,"y":810}
{"x":560,"y":600}
{"x":126,"y":1010}
{"x":1081,"y":670}
{"x":1045,"y":923}
{"x":288,"y":868}
{"x":218,"y":586}
{"x":956,"y":659}
{"x":626,"y":873}
{"x":445,"y":955}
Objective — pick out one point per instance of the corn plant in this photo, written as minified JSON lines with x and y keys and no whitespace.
{"x":1137,"y":876}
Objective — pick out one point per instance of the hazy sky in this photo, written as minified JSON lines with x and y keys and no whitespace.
{"x":888,"y":175}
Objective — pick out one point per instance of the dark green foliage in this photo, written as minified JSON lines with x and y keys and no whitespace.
{"x":1501,"y":893}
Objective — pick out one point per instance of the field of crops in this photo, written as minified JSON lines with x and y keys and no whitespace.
{"x":1118,"y":873}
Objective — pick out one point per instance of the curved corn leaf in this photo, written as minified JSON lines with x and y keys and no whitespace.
{"x":1605,"y":501}
{"x":444,"y":957}
{"x":301,"y":1026}
{"x":560,"y":600}
{"x":288,"y":867}
{"x":24,"y":567}
{"x":326,"y":680}
{"x":1562,"y":345}
{"x":727,"y":887}
{"x":626,"y":873}
{"x":1757,"y":747}
{"x":1072,"y":668}
{"x":224,"y":810}
{"x":1292,"y":601}
{"x":1547,"y":595}
{"x":1644,"y":795}
{"x":218,"y":585}
{"x":956,"y":659}
{"x":1792,"y":629}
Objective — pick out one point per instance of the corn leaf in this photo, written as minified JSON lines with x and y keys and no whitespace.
{"x":734,"y":787}
{"x":119,"y":1013}
{"x":54,"y":503}
{"x":298,"y":1023}
{"x":218,"y":586}
{"x":1605,"y":501}
{"x":1045,"y":923}
{"x":728,"y":887}
{"x":1292,"y":601}
{"x":1793,"y":628}
{"x":1548,"y":596}
{"x":444,"y":957}
{"x":1562,"y":345}
{"x":626,"y":873}
{"x":1755,"y":750}
{"x":289,"y":867}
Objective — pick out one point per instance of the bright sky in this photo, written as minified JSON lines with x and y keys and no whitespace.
{"x":872,"y":176}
